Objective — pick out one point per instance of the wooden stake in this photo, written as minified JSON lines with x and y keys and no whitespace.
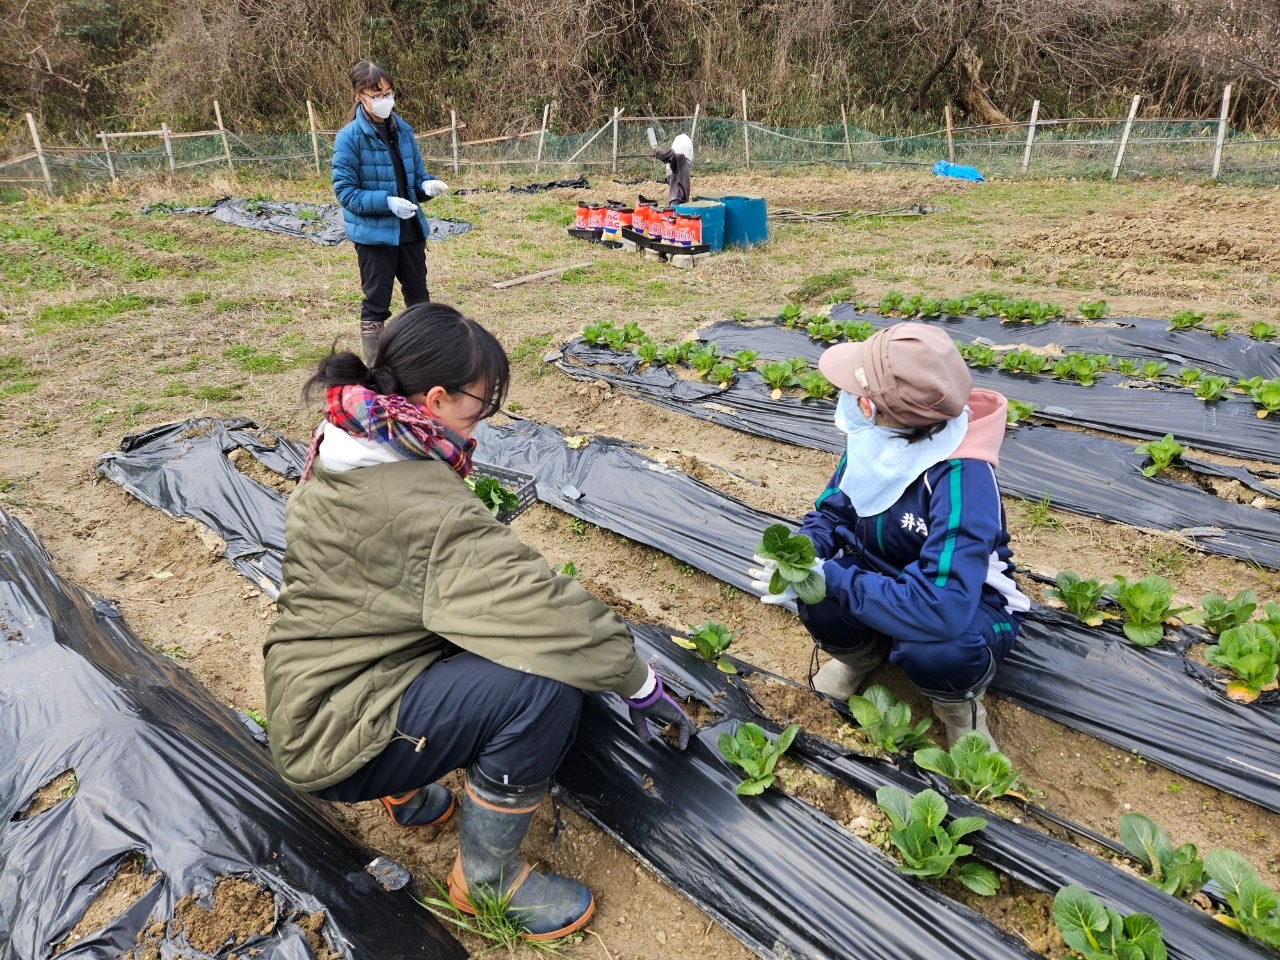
{"x":44,"y":167}
{"x":1124,"y":137}
{"x":848,"y":147}
{"x":1222,"y":131}
{"x":315,"y":137}
{"x":593,"y":139}
{"x":542,"y":137}
{"x":616,"y":112}
{"x":541,"y":275}
{"x":746,"y":141}
{"x":693,"y":133}
{"x":226,"y":144}
{"x":453,"y":125}
{"x":168,"y":147}
{"x":951,"y":136}
{"x":106,"y":148}
{"x":1031,"y":135}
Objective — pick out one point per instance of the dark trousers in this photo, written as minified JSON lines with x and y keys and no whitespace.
{"x":380,"y":267}
{"x":516,"y":726}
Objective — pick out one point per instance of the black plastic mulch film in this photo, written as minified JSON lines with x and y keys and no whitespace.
{"x":780,"y":876}
{"x":1080,"y":473}
{"x":318,"y":222}
{"x":164,"y":772}
{"x":1116,"y":404}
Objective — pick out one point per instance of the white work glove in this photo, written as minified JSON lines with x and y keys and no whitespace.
{"x":401,"y":208}
{"x":433,"y":188}
{"x":761,"y":575}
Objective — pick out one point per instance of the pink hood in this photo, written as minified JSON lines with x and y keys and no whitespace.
{"x":986,"y":427}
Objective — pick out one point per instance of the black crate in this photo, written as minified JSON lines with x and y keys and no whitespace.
{"x":521,"y":484}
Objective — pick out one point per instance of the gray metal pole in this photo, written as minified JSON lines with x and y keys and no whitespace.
{"x":1222,"y":131}
{"x":1124,"y":137}
{"x":44,"y":167}
{"x":1031,"y":135}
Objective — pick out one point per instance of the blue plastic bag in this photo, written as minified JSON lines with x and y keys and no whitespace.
{"x":944,"y":169}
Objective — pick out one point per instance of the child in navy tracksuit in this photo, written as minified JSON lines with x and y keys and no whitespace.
{"x":909,"y":531}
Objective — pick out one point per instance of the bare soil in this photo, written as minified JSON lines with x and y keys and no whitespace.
{"x":230,"y":323}
{"x":122,"y":891}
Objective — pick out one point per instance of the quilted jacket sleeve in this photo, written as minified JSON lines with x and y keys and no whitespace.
{"x":491,"y":594}
{"x":348,"y":184}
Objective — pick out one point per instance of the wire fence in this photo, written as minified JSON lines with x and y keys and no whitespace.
{"x":1201,"y":148}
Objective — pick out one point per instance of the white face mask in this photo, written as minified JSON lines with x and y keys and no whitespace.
{"x":382,"y":108}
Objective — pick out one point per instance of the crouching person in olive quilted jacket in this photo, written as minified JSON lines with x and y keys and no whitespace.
{"x":418,"y":635}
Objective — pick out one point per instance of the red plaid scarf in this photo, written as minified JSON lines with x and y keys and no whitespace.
{"x":393,"y":420}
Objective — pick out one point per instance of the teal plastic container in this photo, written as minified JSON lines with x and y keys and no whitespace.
{"x":712,"y":214}
{"x":746,"y":221}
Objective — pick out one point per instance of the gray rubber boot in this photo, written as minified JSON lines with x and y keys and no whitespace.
{"x":843,"y":675}
{"x":961,"y":716}
{"x":495,"y":819}
{"x":369,"y":344}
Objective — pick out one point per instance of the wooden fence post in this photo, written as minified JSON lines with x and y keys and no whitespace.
{"x":453,"y":125}
{"x":1031,"y":135}
{"x":106,"y":148}
{"x":44,"y":167}
{"x":1222,"y":131}
{"x":616,"y":112}
{"x":746,"y":140}
{"x":168,"y":147}
{"x":951,"y":136}
{"x":226,"y":144}
{"x":1124,"y":137}
{"x":542,"y":137}
{"x":693,"y":133}
{"x":315,"y":137}
{"x":844,"y":119}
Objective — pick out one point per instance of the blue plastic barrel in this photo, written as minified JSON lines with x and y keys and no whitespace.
{"x":712,"y":214}
{"x":746,"y":221}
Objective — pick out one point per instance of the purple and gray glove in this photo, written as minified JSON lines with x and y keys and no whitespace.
{"x":660,"y":708}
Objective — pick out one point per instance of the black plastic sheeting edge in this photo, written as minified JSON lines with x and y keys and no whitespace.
{"x":318,"y":222}
{"x":642,"y":808}
{"x":1080,"y":473}
{"x":581,"y":183}
{"x":1230,"y":356}
{"x":164,"y":771}
{"x":1116,"y":404}
{"x":1038,"y":860}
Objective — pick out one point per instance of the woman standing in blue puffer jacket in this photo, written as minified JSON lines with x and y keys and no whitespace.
{"x":379,"y":179}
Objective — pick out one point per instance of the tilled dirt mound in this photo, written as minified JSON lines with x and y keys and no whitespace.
{"x":1193,"y":228}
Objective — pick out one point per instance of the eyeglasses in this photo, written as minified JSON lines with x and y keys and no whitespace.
{"x":384,"y":95}
{"x":487,"y":404}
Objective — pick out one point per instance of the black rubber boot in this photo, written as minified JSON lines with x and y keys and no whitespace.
{"x":495,"y":819}
{"x":428,"y":807}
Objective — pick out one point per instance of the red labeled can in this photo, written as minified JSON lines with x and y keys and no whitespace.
{"x":582,"y":218}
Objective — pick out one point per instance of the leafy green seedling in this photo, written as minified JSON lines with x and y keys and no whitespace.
{"x":972,"y":766}
{"x":1099,"y":933}
{"x":795,"y":556}
{"x":1094,"y":309}
{"x":721,"y":373}
{"x":568,"y":568}
{"x":977,"y":354}
{"x":1252,"y":903}
{"x":493,"y":494}
{"x":789,"y":315}
{"x":68,"y":788}
{"x":778,"y":376}
{"x":1218,"y":614}
{"x":257,"y":716}
{"x":1267,"y":396}
{"x":704,"y":358}
{"x":1080,"y":596}
{"x":615,"y":340}
{"x":1018,"y":410}
{"x":857,"y":330}
{"x":1179,"y":871}
{"x":1161,"y":453}
{"x":891,"y":303}
{"x":1127,"y":366}
{"x":930,"y":849}
{"x":709,"y":640}
{"x":1263,"y":331}
{"x":647,"y":351}
{"x":632,"y":333}
{"x":745,"y":359}
{"x":886,"y":723}
{"x":1221,"y":329}
{"x":816,"y":386}
{"x":1189,"y":376}
{"x":954,"y":306}
{"x":1185,"y":320}
{"x":1153,"y":369}
{"x":595,"y":333}
{"x":825,"y":331}
{"x":671,"y":355}
{"x":1146,"y":603}
{"x":1248,"y":384}
{"x":1039,"y":313}
{"x":749,"y":747}
{"x":1212,"y":388}
{"x":1250,"y":651}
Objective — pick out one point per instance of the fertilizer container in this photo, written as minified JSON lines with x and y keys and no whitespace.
{"x":711,"y":213}
{"x":746,"y":221}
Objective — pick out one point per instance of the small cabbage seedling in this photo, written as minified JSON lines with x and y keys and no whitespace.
{"x":977,"y":354}
{"x":1161,"y":453}
{"x":891,"y":303}
{"x":1094,"y":309}
{"x":789,"y":315}
{"x":632,"y":333}
{"x":1080,"y":596}
{"x":647,"y":351}
{"x":886,"y":723}
{"x":1250,"y":651}
{"x":1100,"y":933}
{"x":930,"y":849}
{"x":745,"y":359}
{"x":1185,"y":320}
{"x":1212,"y":388}
{"x":1217,"y":613}
{"x":825,"y":330}
{"x":1146,"y":603}
{"x":972,"y":766}
{"x":1263,"y":331}
{"x":1221,"y":329}
{"x":1127,"y":366}
{"x":671,"y":355}
{"x":749,"y":747}
{"x":777,"y":376}
{"x":493,"y":494}
{"x":596,"y":333}
{"x":816,"y":386}
{"x":568,"y":568}
{"x":721,"y":373}
{"x":1189,"y":376}
{"x":857,"y":330}
{"x":1153,"y":369}
{"x":1252,"y":902}
{"x":1018,"y":410}
{"x":1179,"y":871}
{"x":709,"y":640}
{"x":704,"y":358}
{"x":795,"y":556}
{"x":1267,"y":396}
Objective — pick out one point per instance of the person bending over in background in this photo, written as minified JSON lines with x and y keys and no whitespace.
{"x":379,"y":180}
{"x":418,"y":635}
{"x":678,"y":160}
{"x":910,"y":532}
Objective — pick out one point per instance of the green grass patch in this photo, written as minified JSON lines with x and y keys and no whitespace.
{"x":80,"y":250}
{"x":186,"y":366}
{"x":813,"y":288}
{"x":87,"y":313}
{"x":176,"y":388}
{"x":18,"y":387}
{"x":196,"y":297}
{"x":530,"y":348}
{"x":552,"y":211}
{"x":217,"y":394}
{"x":251,"y":361}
